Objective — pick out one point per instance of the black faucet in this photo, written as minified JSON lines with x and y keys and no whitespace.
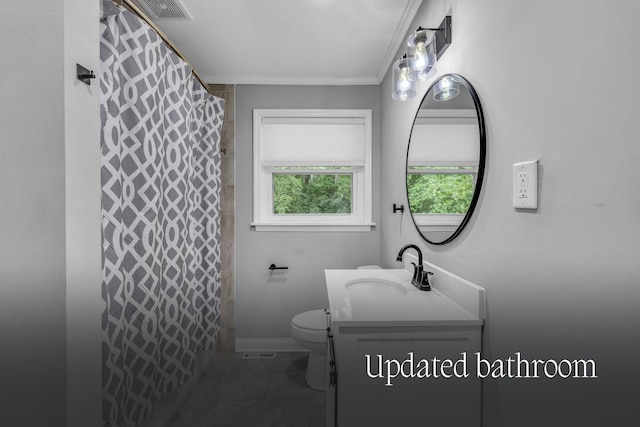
{"x":420,"y":277}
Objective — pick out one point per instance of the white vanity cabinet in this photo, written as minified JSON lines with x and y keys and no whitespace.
{"x":403,"y":357}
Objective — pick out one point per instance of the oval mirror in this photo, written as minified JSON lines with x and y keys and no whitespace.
{"x":445,"y":159}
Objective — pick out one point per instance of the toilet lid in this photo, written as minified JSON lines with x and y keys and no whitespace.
{"x":314,"y":319}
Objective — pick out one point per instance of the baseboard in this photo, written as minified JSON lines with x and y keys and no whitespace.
{"x":267,"y":345}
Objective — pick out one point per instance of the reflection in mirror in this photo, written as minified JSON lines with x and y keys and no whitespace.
{"x":445,"y":159}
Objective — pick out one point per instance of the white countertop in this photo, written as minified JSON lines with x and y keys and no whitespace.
{"x":389,"y":299}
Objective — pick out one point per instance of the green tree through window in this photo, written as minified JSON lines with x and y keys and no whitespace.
{"x":312,"y":193}
{"x":440,"y":193}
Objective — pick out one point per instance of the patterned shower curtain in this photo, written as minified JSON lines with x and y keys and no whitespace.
{"x":160,"y":218}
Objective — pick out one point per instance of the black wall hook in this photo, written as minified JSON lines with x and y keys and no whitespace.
{"x":398,"y":208}
{"x":84,"y":75}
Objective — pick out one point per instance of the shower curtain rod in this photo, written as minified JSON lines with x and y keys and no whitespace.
{"x":129,"y":4}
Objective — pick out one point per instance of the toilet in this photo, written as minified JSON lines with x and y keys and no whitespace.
{"x":309,"y":329}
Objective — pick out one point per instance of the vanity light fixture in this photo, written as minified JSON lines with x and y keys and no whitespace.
{"x":422,"y":52}
{"x":404,"y":79}
{"x":426,"y":46}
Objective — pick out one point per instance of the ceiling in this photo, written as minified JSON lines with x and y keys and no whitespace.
{"x":307,"y":42}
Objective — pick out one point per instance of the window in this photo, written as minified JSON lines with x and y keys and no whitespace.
{"x":442,"y":169}
{"x":312,"y":170}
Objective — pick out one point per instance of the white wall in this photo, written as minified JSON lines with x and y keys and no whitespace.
{"x":83,"y":215}
{"x":49,"y":216}
{"x":266,"y":303}
{"x":558,"y":82}
{"x":32,"y":222}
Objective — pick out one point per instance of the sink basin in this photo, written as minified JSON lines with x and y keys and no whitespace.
{"x":366,"y":294}
{"x":375,"y":288}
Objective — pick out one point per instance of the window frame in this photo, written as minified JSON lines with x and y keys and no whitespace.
{"x":360,"y":218}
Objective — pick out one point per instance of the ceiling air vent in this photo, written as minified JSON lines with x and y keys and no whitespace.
{"x":165,"y":9}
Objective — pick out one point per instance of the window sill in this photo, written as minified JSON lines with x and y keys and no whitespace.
{"x":313,"y":227}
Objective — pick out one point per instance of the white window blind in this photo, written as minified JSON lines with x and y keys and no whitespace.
{"x":336,"y":141}
{"x":441,"y":142}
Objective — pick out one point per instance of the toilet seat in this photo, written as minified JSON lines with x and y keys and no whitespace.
{"x":310,"y":326}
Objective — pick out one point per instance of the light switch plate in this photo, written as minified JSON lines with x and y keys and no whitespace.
{"x":525,"y":185}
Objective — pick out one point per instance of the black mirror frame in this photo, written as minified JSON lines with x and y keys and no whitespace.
{"x":481,"y":165}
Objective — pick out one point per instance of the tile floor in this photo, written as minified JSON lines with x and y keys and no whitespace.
{"x":239,"y":392}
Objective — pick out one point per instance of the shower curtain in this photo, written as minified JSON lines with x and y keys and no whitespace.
{"x":160,"y":217}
